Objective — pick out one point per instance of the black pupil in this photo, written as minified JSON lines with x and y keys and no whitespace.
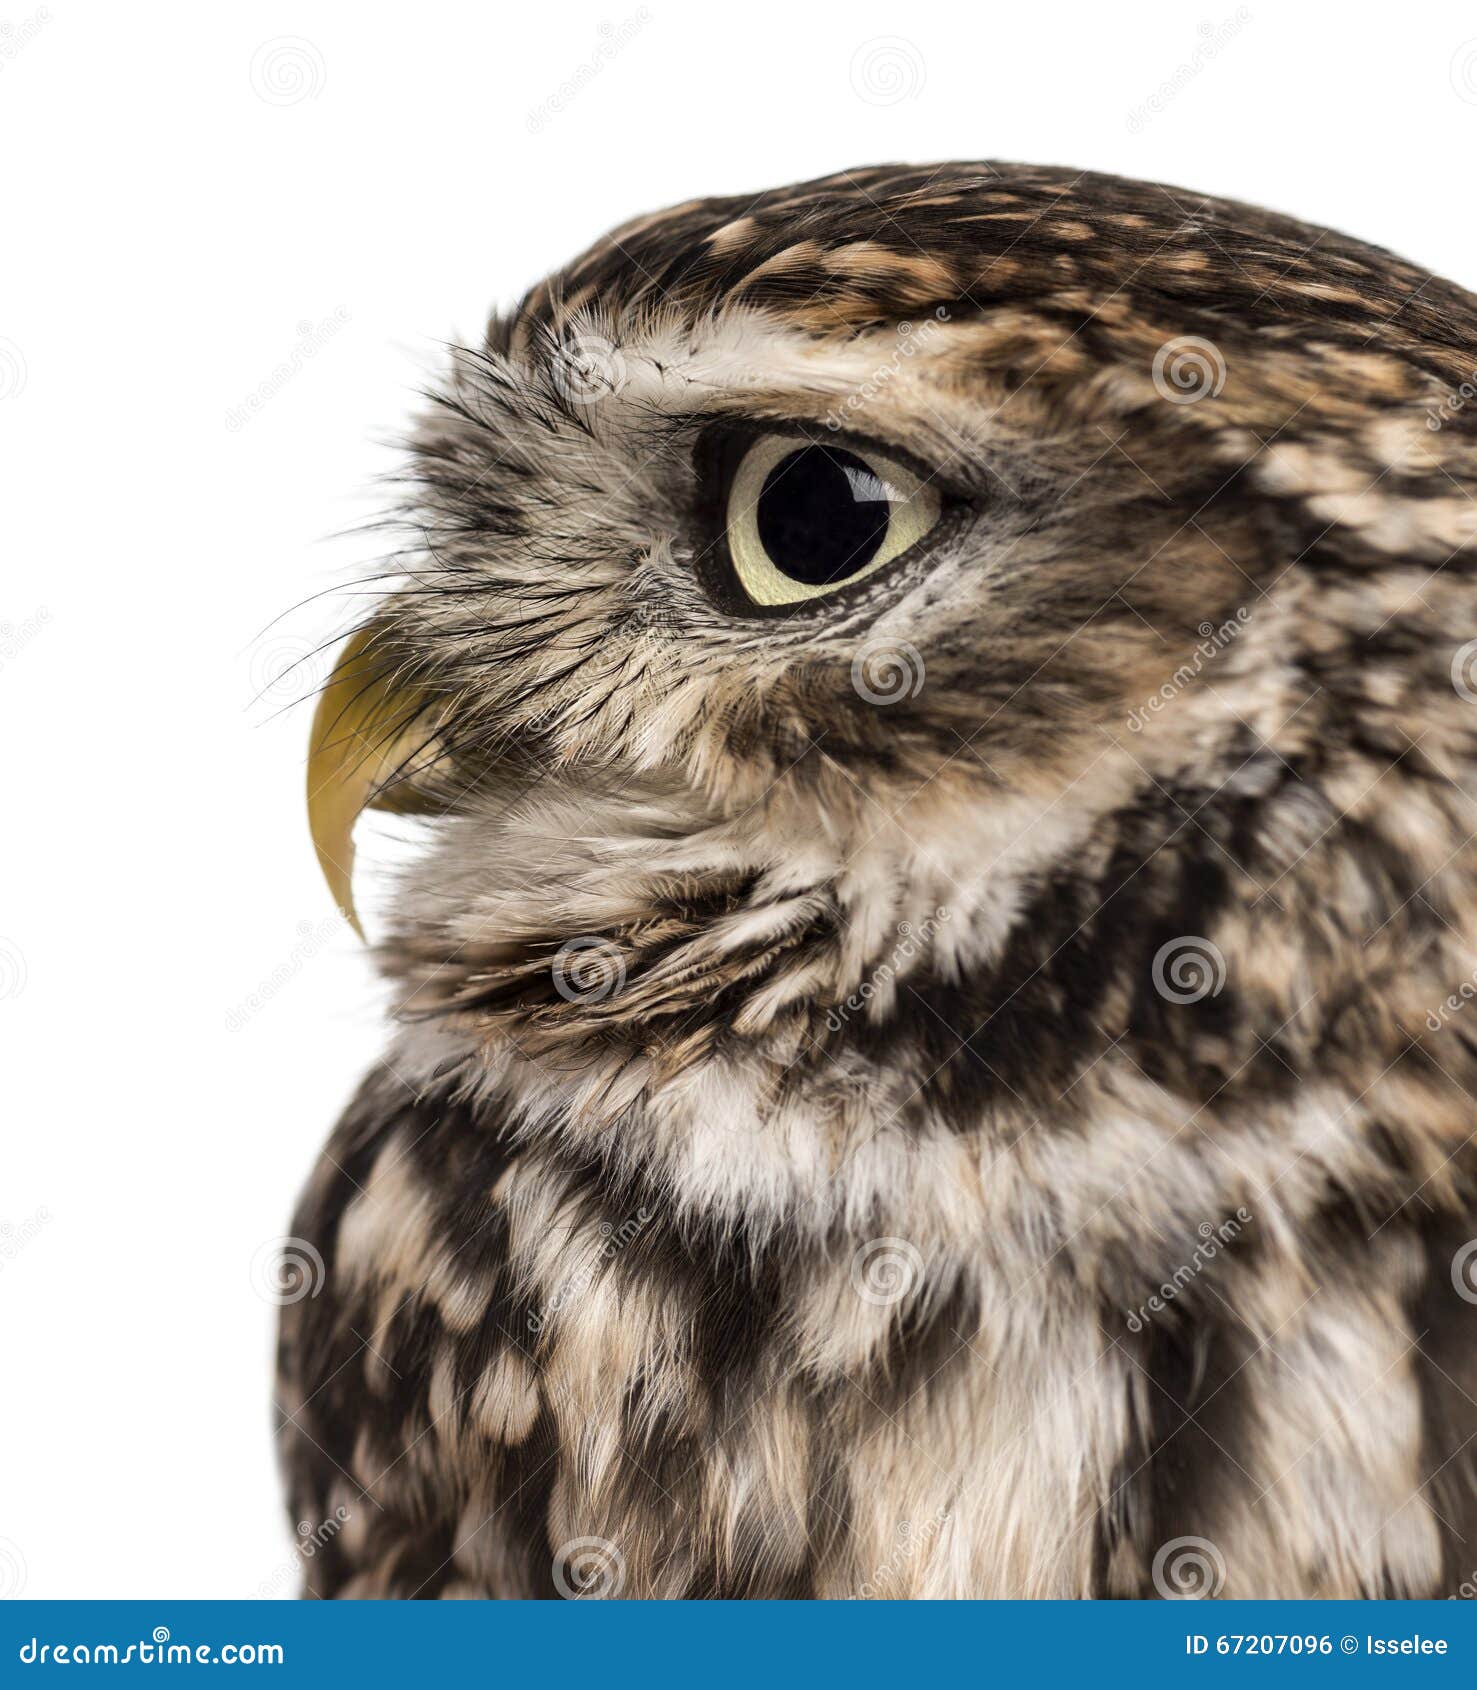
{"x":822,"y":515}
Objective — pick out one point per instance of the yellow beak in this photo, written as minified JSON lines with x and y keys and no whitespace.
{"x":367,"y":728}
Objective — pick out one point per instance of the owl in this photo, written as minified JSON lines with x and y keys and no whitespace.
{"x":937,"y":712}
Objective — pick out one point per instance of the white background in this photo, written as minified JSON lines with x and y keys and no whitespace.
{"x":193,"y":208}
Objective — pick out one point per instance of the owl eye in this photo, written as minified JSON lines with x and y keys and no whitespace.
{"x":805,"y":519}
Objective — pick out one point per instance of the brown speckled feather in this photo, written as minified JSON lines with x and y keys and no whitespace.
{"x":963,"y":1086}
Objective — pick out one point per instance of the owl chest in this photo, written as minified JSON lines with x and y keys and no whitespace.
{"x":535,"y":1397}
{"x":732,"y":1433}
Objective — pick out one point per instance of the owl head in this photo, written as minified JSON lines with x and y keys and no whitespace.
{"x":942,"y":622}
